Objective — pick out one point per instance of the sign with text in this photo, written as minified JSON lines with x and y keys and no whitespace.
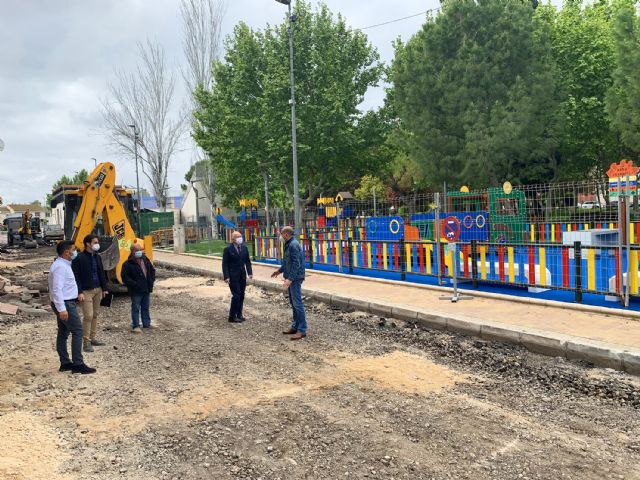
{"x":623,"y":177}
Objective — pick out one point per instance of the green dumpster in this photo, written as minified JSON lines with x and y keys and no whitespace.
{"x":152,"y":221}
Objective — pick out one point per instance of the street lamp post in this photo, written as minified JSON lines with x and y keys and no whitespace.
{"x":135,"y":149}
{"x":294,"y":141}
{"x":265,"y":175}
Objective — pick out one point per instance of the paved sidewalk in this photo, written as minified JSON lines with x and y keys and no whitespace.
{"x":604,"y":339}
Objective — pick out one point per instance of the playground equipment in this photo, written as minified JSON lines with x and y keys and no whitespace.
{"x":331,"y":209}
{"x":491,"y":215}
{"x":249,"y":218}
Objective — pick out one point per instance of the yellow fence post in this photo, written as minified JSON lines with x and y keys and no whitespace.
{"x":427,"y":257}
{"x":512,"y":268}
{"x":385,"y":260}
{"x":591,"y":269}
{"x":633,"y":271}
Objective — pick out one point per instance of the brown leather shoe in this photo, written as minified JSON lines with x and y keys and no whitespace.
{"x":291,"y":331}
{"x":298,"y":336}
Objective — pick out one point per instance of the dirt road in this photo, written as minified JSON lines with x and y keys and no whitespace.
{"x":361,"y":397}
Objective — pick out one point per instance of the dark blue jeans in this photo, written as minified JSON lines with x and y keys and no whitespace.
{"x":140,"y":304}
{"x":295,"y":298}
{"x":73,"y":326}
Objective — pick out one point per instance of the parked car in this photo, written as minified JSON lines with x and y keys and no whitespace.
{"x":590,"y":205}
{"x":53,"y":232}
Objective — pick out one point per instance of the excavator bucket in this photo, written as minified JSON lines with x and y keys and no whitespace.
{"x":111,"y":256}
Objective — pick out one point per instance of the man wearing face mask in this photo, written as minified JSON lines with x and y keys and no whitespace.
{"x":293,"y":271}
{"x":92,"y":285}
{"x":63,"y":292}
{"x":139,"y":275}
{"x":236,"y":265}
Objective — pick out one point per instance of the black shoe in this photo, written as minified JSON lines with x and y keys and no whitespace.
{"x":82,"y":369}
{"x":241,"y":318}
{"x":97,"y":343}
{"x":235,"y":320}
{"x":66,"y":367}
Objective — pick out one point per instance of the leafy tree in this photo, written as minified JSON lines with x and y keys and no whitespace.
{"x":77,"y":179}
{"x":244,"y":121}
{"x":369,"y":184}
{"x":476,"y":96}
{"x":583,"y":50}
{"x":623,"y":99}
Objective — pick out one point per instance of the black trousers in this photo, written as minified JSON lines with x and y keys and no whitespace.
{"x":237,"y":285}
{"x":72,"y":326}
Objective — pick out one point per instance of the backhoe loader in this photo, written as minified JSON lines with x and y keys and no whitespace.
{"x":100,"y":202}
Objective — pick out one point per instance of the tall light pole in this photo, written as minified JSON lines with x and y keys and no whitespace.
{"x":135,"y":149}
{"x":294,"y":140}
{"x":95,"y":162}
{"x":266,"y":177}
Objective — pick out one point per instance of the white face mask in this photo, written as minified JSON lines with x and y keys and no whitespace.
{"x":96,"y":247}
{"x":239,"y":240}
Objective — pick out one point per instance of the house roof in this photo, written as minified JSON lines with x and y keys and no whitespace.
{"x":344,"y":196}
{"x":22,"y":207}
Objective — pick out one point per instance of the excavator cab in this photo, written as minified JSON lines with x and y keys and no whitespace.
{"x":100,"y":207}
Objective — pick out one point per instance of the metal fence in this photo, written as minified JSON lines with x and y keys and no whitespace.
{"x":573,"y":236}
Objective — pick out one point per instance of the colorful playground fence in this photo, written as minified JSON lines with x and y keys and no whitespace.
{"x":577,"y":268}
{"x":577,"y":237}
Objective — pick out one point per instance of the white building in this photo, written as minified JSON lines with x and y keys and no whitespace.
{"x":196,"y":192}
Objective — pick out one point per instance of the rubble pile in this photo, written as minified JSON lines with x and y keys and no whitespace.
{"x":22,"y":290}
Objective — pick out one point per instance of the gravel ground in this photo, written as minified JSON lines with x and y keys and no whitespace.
{"x":361,"y":397}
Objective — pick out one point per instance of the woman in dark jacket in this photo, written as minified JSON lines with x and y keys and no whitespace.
{"x":138,"y":274}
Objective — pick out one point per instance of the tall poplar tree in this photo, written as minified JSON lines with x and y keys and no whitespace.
{"x":623,"y":100}
{"x":475,"y":91}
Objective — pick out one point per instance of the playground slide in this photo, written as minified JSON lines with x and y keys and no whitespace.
{"x":225,"y":222}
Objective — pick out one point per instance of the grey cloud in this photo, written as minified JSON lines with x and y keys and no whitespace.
{"x":57,"y":57}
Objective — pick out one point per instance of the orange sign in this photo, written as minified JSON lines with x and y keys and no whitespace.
{"x":622,"y":169}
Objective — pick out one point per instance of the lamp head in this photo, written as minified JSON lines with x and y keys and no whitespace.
{"x":284,"y":2}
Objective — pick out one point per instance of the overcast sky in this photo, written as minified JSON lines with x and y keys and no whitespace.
{"x":57,"y":56}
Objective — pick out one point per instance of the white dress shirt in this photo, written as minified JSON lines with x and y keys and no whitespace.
{"x":62,"y":283}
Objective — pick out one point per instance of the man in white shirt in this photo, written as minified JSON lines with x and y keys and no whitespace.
{"x":63,"y":292}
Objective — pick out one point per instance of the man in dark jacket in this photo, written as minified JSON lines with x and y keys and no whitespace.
{"x":236,"y":265}
{"x":139,"y":275}
{"x":92,"y":287}
{"x":293,"y":270}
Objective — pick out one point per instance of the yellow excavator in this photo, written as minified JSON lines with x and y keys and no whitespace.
{"x":100,"y":202}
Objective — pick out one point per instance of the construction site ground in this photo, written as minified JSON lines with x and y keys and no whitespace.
{"x":361,"y":397}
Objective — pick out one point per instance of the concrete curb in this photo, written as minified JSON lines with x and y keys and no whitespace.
{"x":617,"y":312}
{"x":543,"y":342}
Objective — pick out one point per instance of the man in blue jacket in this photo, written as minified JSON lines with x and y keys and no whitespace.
{"x":293,"y":270}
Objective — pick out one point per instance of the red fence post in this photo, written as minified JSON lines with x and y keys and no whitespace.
{"x":617,"y":271}
{"x":395,"y":256}
{"x":532,"y":266}
{"x":501,"y":262}
{"x":465,"y":257}
{"x":565,"y":267}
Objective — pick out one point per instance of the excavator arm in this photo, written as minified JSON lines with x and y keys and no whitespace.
{"x":99,"y":199}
